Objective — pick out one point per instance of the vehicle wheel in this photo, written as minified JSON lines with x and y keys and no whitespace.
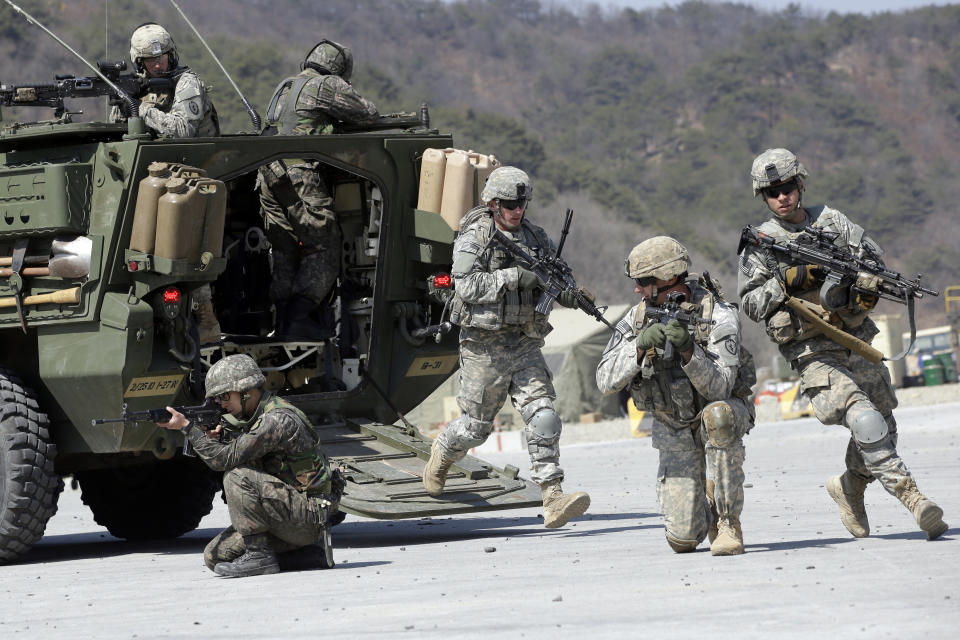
{"x":29,"y":486}
{"x":154,"y":501}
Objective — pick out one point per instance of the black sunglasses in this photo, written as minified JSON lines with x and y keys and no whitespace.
{"x":646,"y":281}
{"x":784,"y":189}
{"x":512,"y":204}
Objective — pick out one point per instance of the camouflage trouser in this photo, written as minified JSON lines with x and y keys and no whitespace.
{"x":685,"y":455}
{"x":840,"y":388}
{"x":304,"y":236}
{"x":261,"y":503}
{"x":488,"y":374}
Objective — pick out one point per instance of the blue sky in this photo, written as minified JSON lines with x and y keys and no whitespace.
{"x":824,"y":6}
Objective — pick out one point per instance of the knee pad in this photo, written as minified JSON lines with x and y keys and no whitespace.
{"x":720,"y":423}
{"x":681,"y":546}
{"x":869,"y":427}
{"x":545,"y":424}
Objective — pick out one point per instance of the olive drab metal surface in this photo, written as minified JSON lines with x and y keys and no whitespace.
{"x":123,"y":332}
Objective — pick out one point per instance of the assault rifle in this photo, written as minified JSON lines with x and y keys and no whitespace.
{"x":554,"y":272}
{"x":67,"y":86}
{"x":843,"y":269}
{"x":206,"y":415}
{"x":671,"y":310}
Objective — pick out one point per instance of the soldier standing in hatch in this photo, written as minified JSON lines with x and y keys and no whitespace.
{"x":295,"y":201}
{"x":500,"y":339}
{"x":843,"y":387}
{"x":184,"y":111}
{"x":277,"y":482}
{"x":700,"y":396}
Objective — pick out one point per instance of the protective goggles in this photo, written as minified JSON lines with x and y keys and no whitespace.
{"x":513,"y":204}
{"x":781,"y":189}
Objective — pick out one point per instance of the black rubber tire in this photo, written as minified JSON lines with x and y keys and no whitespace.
{"x":29,"y":486}
{"x":154,"y":501}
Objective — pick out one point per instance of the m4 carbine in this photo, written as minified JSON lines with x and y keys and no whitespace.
{"x":206,"y":415}
{"x":672,"y":310}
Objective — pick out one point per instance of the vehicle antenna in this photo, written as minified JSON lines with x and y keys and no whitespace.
{"x":254,"y":116}
{"x":132,"y":104}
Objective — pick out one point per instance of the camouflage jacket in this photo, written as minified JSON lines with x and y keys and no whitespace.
{"x":762,"y":295}
{"x":720,"y":368}
{"x":186,"y":113}
{"x":487,"y":300}
{"x":320,"y":102}
{"x":278,"y":440}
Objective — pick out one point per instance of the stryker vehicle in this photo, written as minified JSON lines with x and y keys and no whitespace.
{"x":100,"y":269}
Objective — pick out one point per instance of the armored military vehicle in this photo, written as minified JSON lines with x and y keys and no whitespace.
{"x":107,"y":233}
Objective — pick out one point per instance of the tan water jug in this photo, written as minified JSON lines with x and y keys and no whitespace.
{"x":180,"y":215}
{"x":432,"y":167}
{"x":485,"y":164}
{"x":459,"y":192}
{"x":149,"y":192}
{"x":184,"y":171}
{"x":214,"y":195}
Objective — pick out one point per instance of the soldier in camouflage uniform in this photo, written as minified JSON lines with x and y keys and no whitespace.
{"x":699,"y":396}
{"x":277,"y":482}
{"x":295,"y":202}
{"x":500,"y":339}
{"x":185,"y":111}
{"x":843,"y":387}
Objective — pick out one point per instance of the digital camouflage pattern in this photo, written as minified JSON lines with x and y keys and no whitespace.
{"x":773,"y":166}
{"x":149,"y":41}
{"x":304,"y":235}
{"x":500,"y":340}
{"x":841,"y":386}
{"x":323,"y":100}
{"x":189,"y":113}
{"x":661,"y":257}
{"x":717,"y":379}
{"x":331,"y":58}
{"x":507,"y":183}
{"x":276,"y":440}
{"x":238,"y":372}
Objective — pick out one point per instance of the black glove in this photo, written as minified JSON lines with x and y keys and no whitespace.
{"x":678,"y":335}
{"x":867,"y":301}
{"x":568,"y":298}
{"x":652,"y":336}
{"x":801,"y":276}
{"x":528,"y":280}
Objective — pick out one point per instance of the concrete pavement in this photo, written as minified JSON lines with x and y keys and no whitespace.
{"x":609,"y":574}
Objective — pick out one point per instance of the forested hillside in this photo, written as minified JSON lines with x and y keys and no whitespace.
{"x":645,"y":122}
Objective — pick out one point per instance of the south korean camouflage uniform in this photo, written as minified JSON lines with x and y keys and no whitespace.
{"x":500,"y":340}
{"x":684,"y":400}
{"x":295,"y":201}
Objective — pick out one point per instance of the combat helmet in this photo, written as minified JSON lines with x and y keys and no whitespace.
{"x":507,"y":183}
{"x":659,"y":257}
{"x":774,"y":166}
{"x":238,"y":372}
{"x":150,"y":40}
{"x":330,"y":58}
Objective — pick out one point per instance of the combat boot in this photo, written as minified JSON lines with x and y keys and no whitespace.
{"x":729,"y":540}
{"x":712,"y":532}
{"x":312,"y":556}
{"x":559,"y":507}
{"x":208,"y":327}
{"x":847,"y":491}
{"x":928,"y":515}
{"x":258,"y":559}
{"x":435,"y":473}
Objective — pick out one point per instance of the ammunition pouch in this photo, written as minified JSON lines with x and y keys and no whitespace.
{"x":277,"y":179}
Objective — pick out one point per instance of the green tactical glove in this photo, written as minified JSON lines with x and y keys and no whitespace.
{"x":652,"y":336}
{"x":568,"y":298}
{"x":679,"y":336}
{"x":528,"y":280}
{"x":801,"y":276}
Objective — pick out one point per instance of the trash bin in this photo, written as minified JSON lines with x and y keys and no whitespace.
{"x":932,"y":372}
{"x":949,"y":367}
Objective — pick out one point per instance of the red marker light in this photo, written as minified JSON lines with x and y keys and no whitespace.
{"x":171,"y":296}
{"x":442,"y":281}
{"x":132,"y":265}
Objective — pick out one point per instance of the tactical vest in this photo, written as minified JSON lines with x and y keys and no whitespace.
{"x":662,"y":386}
{"x":308,"y":471}
{"x":514,"y":308}
{"x":287,"y":120}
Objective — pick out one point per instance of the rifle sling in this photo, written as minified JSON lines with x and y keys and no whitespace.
{"x":844,"y":339}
